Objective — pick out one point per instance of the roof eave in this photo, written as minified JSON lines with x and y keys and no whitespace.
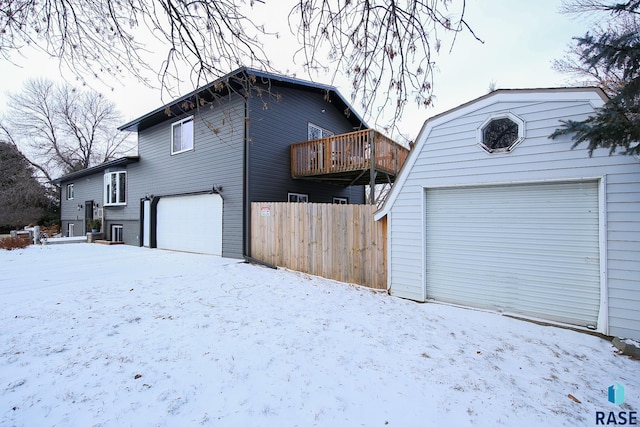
{"x":123,"y":161}
{"x":460,"y":109}
{"x":134,"y":125}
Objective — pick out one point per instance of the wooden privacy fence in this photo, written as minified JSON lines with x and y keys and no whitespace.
{"x":340,"y":242}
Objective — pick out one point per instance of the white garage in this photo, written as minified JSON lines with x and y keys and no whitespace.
{"x":530,"y":249}
{"x":490,"y":212}
{"x":190,"y":223}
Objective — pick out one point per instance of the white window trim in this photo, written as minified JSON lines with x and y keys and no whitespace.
{"x":510,"y":116}
{"x":324,"y":133}
{"x":181,"y":123}
{"x":341,"y":200}
{"x":114,"y":232}
{"x":107,"y":183}
{"x":298,"y":196}
{"x":70,"y":191}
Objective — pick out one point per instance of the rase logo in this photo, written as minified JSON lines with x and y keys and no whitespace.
{"x":616,"y":396}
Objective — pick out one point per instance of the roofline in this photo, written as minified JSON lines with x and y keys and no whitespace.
{"x":132,"y":126}
{"x":98,"y":168}
{"x":491,"y":94}
{"x":462,"y":109}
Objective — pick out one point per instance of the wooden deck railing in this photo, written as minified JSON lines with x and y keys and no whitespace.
{"x":347,"y":152}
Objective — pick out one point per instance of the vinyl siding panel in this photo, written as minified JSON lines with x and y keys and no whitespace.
{"x":450,"y":156}
{"x":85,"y":189}
{"x":406,"y":248}
{"x":217,"y":159}
{"x":273,"y":128}
{"x":128,"y":215}
{"x":130,"y":229}
{"x":92,"y":188}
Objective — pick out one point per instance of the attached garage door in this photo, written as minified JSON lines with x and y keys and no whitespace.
{"x":526,"y":249}
{"x":190,"y":223}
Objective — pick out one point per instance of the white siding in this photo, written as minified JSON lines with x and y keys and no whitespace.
{"x":447,"y":154}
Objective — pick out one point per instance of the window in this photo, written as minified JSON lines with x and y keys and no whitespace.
{"x":117,"y":233}
{"x":182,"y":136}
{"x":297,"y":197}
{"x":316,"y":132}
{"x":340,"y":200}
{"x":70,"y":227}
{"x":115,"y":188}
{"x":69,"y":191}
{"x":501,"y":133}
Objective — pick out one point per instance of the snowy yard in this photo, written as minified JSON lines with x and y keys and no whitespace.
{"x":119,"y":336}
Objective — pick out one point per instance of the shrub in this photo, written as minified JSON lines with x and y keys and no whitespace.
{"x":95,"y":224}
{"x":10,"y":243}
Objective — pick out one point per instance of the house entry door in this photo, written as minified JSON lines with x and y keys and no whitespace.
{"x":146,"y":220}
{"x":88,"y":215}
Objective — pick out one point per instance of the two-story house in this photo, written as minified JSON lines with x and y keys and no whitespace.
{"x":203,"y":158}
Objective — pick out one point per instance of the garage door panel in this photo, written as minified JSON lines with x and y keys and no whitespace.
{"x":190,"y":223}
{"x":529,"y":249}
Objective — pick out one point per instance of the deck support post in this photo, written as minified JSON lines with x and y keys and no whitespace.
{"x":372,"y":180}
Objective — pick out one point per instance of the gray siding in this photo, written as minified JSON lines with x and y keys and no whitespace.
{"x":448,"y":155}
{"x":272,"y":129}
{"x":85,"y":189}
{"x":130,"y":229}
{"x":217,"y":159}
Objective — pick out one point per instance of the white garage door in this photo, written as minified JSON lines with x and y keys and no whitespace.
{"x":190,"y":224}
{"x":527,"y":249}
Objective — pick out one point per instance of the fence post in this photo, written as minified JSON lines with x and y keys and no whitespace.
{"x":36,"y":234}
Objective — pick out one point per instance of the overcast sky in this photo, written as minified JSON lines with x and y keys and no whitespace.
{"x":521,"y":39}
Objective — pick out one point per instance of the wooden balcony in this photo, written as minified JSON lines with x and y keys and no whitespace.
{"x":355,"y":158}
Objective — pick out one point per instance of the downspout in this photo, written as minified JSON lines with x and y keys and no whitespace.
{"x":246,"y":244}
{"x":60,"y":211}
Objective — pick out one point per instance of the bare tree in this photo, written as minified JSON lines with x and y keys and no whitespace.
{"x":385,"y":46}
{"x":60,"y":129}
{"x":612,"y":21}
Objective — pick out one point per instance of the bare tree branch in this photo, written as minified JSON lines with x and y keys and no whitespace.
{"x":582,"y":73}
{"x":385,"y":47}
{"x":60,"y":129}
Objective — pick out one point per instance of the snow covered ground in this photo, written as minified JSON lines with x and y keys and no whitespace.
{"x":119,"y":335}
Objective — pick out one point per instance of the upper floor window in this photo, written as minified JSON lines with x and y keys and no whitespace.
{"x":70,"y":192}
{"x":501,"y":133}
{"x":115,"y":184}
{"x":298,"y":197}
{"x":316,"y":132}
{"x":182,"y":135}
